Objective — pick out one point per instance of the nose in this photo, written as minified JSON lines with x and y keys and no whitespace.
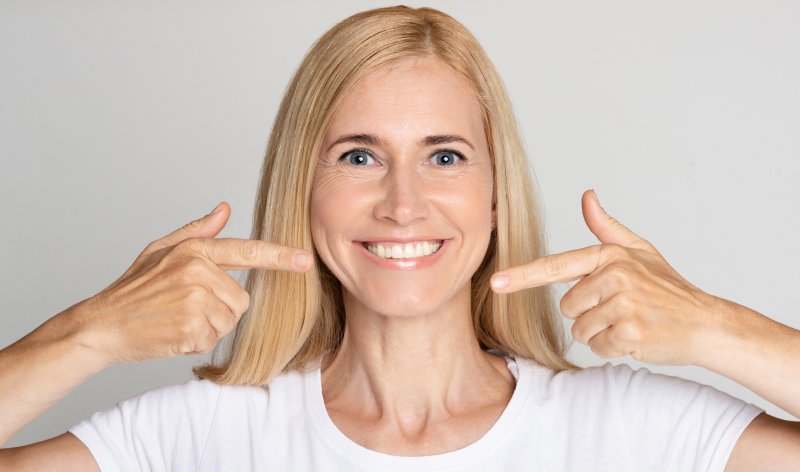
{"x":404,"y":200}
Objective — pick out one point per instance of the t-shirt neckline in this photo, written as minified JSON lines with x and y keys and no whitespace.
{"x":374,"y":460}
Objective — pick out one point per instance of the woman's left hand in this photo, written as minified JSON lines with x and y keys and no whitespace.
{"x":629,"y":300}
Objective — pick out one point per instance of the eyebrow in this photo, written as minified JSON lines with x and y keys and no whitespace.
{"x":372,"y":140}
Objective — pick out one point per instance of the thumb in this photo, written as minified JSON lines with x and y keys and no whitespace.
{"x":606,"y":227}
{"x":206,"y":227}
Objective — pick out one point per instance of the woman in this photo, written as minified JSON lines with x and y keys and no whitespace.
{"x":414,"y":330}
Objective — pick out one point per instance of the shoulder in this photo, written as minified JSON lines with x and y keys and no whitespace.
{"x":623,"y":385}
{"x":186,"y":395}
{"x":173,"y":424}
{"x":177,"y":403}
{"x":205,"y":392}
{"x":618,"y":376}
{"x":192,"y":404}
{"x":641,"y":397}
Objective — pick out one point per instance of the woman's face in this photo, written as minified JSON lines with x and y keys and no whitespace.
{"x":402,"y":196}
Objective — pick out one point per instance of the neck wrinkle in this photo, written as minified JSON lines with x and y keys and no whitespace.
{"x":411,"y":371}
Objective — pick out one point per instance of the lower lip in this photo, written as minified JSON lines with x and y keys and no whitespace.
{"x":412,"y":263}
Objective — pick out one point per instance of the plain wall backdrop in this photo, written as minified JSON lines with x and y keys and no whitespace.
{"x":121,"y":121}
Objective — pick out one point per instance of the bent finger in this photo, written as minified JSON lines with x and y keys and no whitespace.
{"x":220,"y":317}
{"x":607,"y":344}
{"x":589,"y":292}
{"x":596,"y":320}
{"x":229,"y":292}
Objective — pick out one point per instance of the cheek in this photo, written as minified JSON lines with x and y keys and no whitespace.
{"x":332,"y":211}
{"x":470,"y":200}
{"x":323,"y":203}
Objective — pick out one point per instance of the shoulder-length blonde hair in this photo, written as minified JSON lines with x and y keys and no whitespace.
{"x":296,"y":320}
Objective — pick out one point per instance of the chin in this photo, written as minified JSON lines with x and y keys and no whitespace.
{"x":408,"y":303}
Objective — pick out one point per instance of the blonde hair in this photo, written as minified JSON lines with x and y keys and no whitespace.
{"x":296,"y":320}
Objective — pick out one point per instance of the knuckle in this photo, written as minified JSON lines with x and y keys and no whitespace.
{"x":617,"y":273}
{"x":611,"y":251}
{"x":248,"y":250}
{"x":149,"y":248}
{"x":195,"y":265}
{"x":188,"y":244}
{"x":554,"y":266}
{"x":184,"y":245}
{"x":244,"y":302}
{"x":564,"y":306}
{"x":577,"y":332}
{"x":192,"y":270}
{"x":627,"y":330}
{"x":191,"y":327}
{"x":601,"y":348}
{"x":624,"y":304}
{"x":523,"y":274}
{"x":196,"y":295}
{"x":595,"y":346}
{"x":277,"y":255}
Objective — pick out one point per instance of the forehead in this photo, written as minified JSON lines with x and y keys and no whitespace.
{"x":408,"y":99}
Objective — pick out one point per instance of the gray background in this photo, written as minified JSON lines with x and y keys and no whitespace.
{"x":121,"y":121}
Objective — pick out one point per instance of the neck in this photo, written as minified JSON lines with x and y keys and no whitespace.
{"x":416,"y":369}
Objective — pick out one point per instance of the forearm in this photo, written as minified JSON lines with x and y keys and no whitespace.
{"x":41,"y":368}
{"x":757,"y":352}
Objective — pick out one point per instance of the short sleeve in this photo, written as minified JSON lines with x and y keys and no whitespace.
{"x":676,"y":424}
{"x":159,"y":430}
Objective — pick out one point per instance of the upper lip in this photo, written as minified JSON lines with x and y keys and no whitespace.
{"x":401,"y":240}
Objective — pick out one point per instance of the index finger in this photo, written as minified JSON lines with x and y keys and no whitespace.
{"x":235,"y":254}
{"x":563,"y":267}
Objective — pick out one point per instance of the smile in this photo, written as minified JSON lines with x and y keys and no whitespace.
{"x":412,"y":255}
{"x":403,"y":251}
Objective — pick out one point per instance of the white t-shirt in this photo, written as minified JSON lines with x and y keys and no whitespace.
{"x":603,"y":418}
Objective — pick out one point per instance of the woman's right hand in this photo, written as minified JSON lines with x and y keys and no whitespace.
{"x":176,"y":297}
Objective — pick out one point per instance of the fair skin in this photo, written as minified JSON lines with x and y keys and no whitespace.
{"x":176,"y":298}
{"x":394,"y":385}
{"x":409,"y":378}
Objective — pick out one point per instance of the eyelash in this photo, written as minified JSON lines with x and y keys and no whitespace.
{"x":438,"y":151}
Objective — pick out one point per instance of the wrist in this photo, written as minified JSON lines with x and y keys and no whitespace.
{"x":79,"y":332}
{"x":721,"y":335}
{"x":755,"y":351}
{"x":735,"y":335}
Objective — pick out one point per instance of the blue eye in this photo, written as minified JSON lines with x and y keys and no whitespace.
{"x":357,"y":157}
{"x":447,"y":158}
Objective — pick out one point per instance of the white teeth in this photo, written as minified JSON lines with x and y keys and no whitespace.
{"x":405,"y":251}
{"x":426,"y":248}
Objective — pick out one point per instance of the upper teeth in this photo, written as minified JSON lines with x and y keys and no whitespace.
{"x":404,"y":251}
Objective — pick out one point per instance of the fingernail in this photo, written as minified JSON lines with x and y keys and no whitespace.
{"x":500,"y":281}
{"x":216,"y":209}
{"x":595,"y":197}
{"x":301,"y":260}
